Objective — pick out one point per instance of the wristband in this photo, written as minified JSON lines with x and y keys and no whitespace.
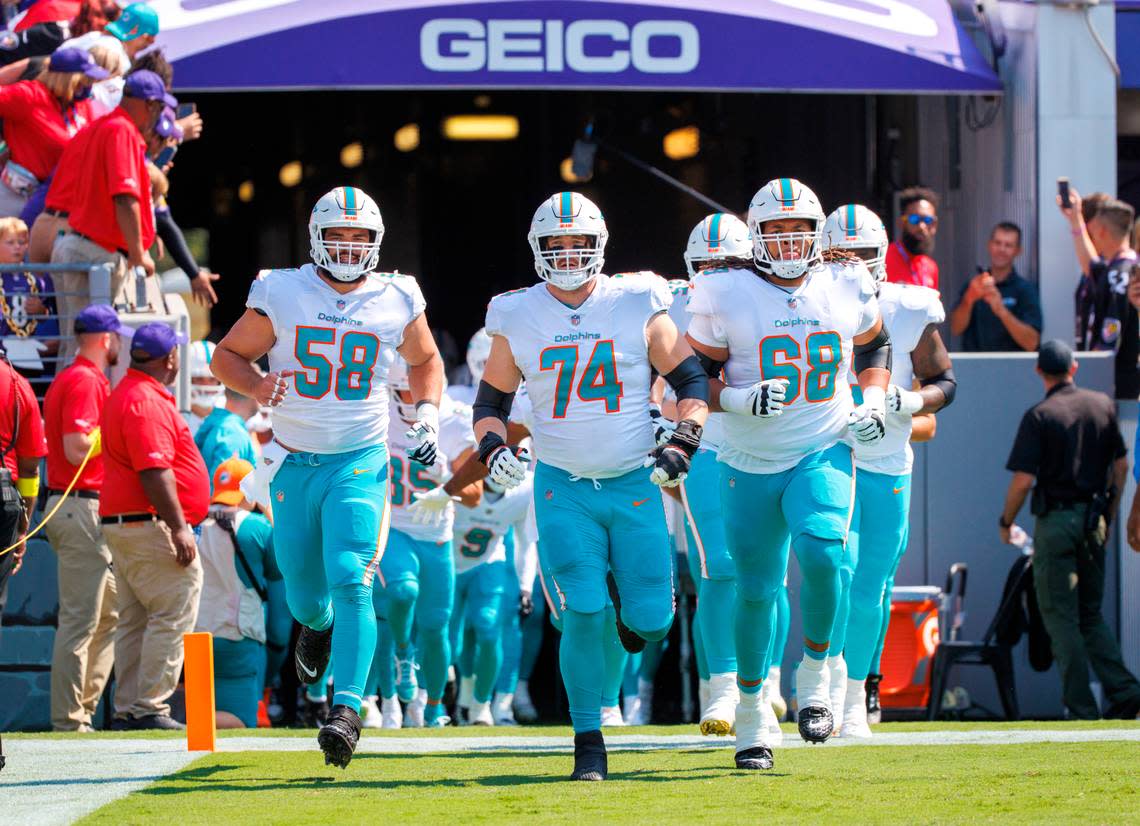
{"x":488,"y":445}
{"x":875,"y":397}
{"x":29,"y":486}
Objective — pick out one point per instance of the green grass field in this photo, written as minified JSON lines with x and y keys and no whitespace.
{"x":1095,"y":782}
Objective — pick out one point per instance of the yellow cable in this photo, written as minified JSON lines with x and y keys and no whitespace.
{"x":62,"y":499}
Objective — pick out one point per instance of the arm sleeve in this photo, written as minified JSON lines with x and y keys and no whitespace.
{"x":30,"y":442}
{"x":1025,"y":456}
{"x":175,"y":241}
{"x":152,"y":443}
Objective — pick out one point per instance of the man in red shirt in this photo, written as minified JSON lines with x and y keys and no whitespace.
{"x":155,"y":490}
{"x":908,"y":258}
{"x":83,"y":652}
{"x":22,"y":446}
{"x":111,"y":217}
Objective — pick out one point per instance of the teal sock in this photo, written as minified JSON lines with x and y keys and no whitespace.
{"x":699,"y":647}
{"x":353,"y":642}
{"x":432,"y":712}
{"x":842,"y":614}
{"x":434,"y":650}
{"x":819,"y":594}
{"x":613,"y":659}
{"x":582,"y":637}
{"x":755,"y":627}
{"x":716,"y":609}
{"x":630,"y":670}
{"x":651,"y":659}
{"x":876,"y":659}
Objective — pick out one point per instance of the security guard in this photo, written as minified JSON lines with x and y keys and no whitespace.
{"x":1071,"y":446}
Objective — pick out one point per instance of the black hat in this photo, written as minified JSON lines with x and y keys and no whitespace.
{"x":1055,"y":358}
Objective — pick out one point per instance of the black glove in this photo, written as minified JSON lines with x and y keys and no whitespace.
{"x":526,"y":605}
{"x":671,"y":460}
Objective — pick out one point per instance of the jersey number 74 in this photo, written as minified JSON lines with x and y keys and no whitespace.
{"x":598,"y":381}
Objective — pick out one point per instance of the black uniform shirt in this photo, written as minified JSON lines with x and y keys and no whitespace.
{"x":1069,"y":441}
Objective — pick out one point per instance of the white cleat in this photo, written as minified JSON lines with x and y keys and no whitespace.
{"x":753,"y":741}
{"x":524,"y":709}
{"x":611,"y":716}
{"x":369,"y":714}
{"x":501,"y":710}
{"x":414,"y":711}
{"x":703,"y":695}
{"x":390,"y":714}
{"x":480,"y":714}
{"x":814,"y":719}
{"x":855,"y":725}
{"x":720,"y":714}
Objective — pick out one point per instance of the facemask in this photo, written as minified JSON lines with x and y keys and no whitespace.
{"x":207,"y":395}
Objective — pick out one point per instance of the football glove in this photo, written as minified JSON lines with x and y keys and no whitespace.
{"x":904,"y":402}
{"x":764,"y":399}
{"x":868,"y":421}
{"x":671,"y":461}
{"x":429,"y":508}
{"x":424,"y":434}
{"x":662,"y":427}
{"x":506,"y":465}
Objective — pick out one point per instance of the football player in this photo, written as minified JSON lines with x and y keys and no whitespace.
{"x":586,"y":343}
{"x":880,"y":522}
{"x":786,"y":331}
{"x":331,"y":329}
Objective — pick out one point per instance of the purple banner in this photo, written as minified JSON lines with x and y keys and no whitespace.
{"x":800,"y":45}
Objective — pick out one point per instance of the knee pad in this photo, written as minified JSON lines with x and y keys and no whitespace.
{"x":307,"y":611}
{"x":405,"y":591}
{"x":754,"y":587}
{"x":818,"y":557}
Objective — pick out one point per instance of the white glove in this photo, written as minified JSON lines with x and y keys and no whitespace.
{"x":764,"y":399}
{"x":904,"y":402}
{"x":662,"y":427}
{"x":868,"y":421}
{"x":424,"y":434}
{"x":508,"y":469}
{"x":430,"y":507}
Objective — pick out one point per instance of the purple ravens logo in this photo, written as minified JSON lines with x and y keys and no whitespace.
{"x":340,"y":304}
{"x":575,"y":319}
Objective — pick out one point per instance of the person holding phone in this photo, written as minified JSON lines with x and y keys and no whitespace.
{"x":908,"y":258}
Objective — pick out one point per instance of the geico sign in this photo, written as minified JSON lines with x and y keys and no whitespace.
{"x":466,"y":45}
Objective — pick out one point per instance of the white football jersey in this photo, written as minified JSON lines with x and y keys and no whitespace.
{"x":408,"y":477}
{"x":907,"y":311}
{"x":520,"y":410}
{"x":586,"y":369}
{"x":479,"y":531}
{"x":341,"y":347}
{"x":804,"y":335}
{"x":713,"y":433}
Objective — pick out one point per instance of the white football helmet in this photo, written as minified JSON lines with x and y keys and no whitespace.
{"x":715,"y":238}
{"x":854,"y":227}
{"x":205,"y":390}
{"x":401,"y":391}
{"x":345,"y":206}
{"x":568,"y":213}
{"x":478,"y":351}
{"x":784,"y":198}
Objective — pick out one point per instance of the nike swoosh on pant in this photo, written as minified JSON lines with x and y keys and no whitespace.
{"x":639,"y":503}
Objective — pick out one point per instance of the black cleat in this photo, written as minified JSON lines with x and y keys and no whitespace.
{"x":630,"y":641}
{"x":874,"y":708}
{"x":815,"y":723}
{"x":311,"y":657}
{"x":339,"y":735}
{"x":590,"y":757}
{"x":313,"y":713}
{"x":755,"y":759}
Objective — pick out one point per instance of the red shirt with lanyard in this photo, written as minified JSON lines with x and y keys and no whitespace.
{"x":27,"y":426}
{"x":36,"y":127}
{"x":904,"y":268}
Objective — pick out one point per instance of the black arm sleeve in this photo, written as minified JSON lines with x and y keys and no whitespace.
{"x":875,"y":353}
{"x":491,"y":402}
{"x":175,"y":242}
{"x":945,"y":382}
{"x":711,"y":366}
{"x":688,"y":380}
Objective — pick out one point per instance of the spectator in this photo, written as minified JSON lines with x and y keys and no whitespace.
{"x":998,"y":310}
{"x":1109,"y":321}
{"x":155,"y":490}
{"x":28,"y":305}
{"x":22,"y":444}
{"x":84,"y":639}
{"x":40,"y":117}
{"x":40,"y":29}
{"x":236,"y":547}
{"x":1070,"y":450}
{"x":908,"y":258}
{"x":94,"y":16}
{"x":111,"y":217}
{"x":130,"y":33}
{"x":224,"y":435}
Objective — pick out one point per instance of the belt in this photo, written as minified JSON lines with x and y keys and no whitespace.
{"x":119,"y":250}
{"x":78,"y":494}
{"x":127,"y":518}
{"x":56,"y":213}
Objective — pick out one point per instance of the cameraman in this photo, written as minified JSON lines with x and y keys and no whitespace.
{"x":1070,"y":446}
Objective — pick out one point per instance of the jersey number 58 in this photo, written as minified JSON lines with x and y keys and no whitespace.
{"x":352,"y":378}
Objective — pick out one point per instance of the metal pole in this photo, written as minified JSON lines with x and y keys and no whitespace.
{"x":665,"y":176}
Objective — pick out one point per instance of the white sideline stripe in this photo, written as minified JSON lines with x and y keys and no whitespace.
{"x":51,"y":782}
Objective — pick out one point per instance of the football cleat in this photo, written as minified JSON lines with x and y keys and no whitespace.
{"x":815,"y":720}
{"x":339,"y":735}
{"x":311,"y":656}
{"x":370,"y":714}
{"x":406,"y":679}
{"x":837,"y":668}
{"x":757,"y":759}
{"x":314,"y":712}
{"x":611,"y":716}
{"x":720,"y":712}
{"x":874,"y":709}
{"x":630,"y":641}
{"x":502,"y":712}
{"x":414,"y":711}
{"x":753,"y":741}
{"x":480,"y":714}
{"x":524,"y":709}
{"x":390,"y":714}
{"x":435,"y":715}
{"x":590,"y":757}
{"x":855,"y":713}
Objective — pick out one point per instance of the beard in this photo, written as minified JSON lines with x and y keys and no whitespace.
{"x":917,"y":245}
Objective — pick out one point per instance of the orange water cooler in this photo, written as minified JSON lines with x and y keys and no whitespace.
{"x":908,"y":655}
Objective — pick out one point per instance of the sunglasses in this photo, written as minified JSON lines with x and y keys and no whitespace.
{"x":915,"y":220}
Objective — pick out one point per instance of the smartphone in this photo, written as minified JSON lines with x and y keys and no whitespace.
{"x":185,"y":110}
{"x":165,"y":156}
{"x":1063,"y":191}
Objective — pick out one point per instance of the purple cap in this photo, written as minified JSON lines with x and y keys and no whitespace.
{"x":154,"y":340}
{"x":77,"y":61}
{"x":146,"y":85}
{"x":99,"y":318}
{"x":167,"y":125}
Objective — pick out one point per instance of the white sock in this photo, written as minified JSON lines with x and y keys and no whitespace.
{"x":774,"y":676}
{"x":466,"y":692}
{"x":856,"y":690}
{"x":750,"y":700}
{"x":812,"y":664}
{"x":833,"y":662}
{"x":645,"y":691}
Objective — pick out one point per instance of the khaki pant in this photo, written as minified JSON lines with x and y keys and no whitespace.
{"x":84,"y":639}
{"x":74,"y":285}
{"x":158,"y":603}
{"x":43,"y":235}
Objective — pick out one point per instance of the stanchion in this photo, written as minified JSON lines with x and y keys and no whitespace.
{"x":201,"y":731}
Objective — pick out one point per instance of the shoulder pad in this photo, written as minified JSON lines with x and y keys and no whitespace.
{"x":914,"y":297}
{"x":639,"y":281}
{"x":509,"y":297}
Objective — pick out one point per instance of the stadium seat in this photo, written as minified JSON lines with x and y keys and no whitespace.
{"x":989,"y":651}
